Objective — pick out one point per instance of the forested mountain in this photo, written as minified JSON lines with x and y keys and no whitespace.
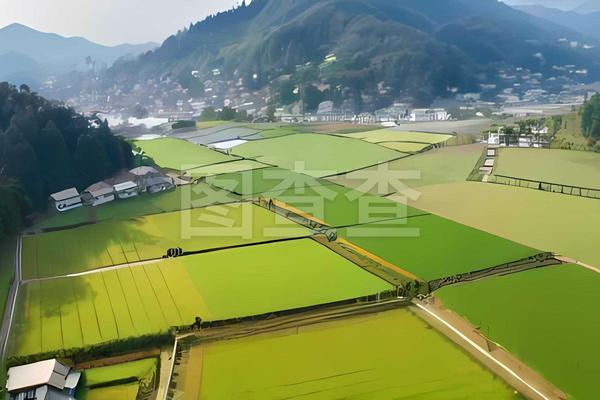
{"x":45,"y":148}
{"x":27,"y":55}
{"x":414,"y":47}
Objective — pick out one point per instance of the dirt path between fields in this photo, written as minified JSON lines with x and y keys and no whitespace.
{"x":497,"y":359}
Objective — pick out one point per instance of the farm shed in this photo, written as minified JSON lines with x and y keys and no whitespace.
{"x":98,"y":193}
{"x":66,"y":200}
{"x":126,"y":190}
{"x":143,"y":174}
{"x":159,"y":184}
{"x":43,"y":380}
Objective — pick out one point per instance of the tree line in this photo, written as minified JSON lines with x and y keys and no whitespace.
{"x":46,"y":147}
{"x":590,"y":118}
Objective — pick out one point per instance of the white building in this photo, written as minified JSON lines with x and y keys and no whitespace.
{"x":428,"y":114}
{"x":43,"y":380}
{"x":66,"y":200}
{"x":126,"y":190}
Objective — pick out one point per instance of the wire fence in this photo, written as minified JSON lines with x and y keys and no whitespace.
{"x":545,"y":186}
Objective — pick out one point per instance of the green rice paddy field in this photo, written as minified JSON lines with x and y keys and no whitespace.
{"x":108,"y":382}
{"x":392,"y":355}
{"x":316,"y":155}
{"x":127,"y":391}
{"x":339,"y":206}
{"x":72,"y":312}
{"x":135,"y":370}
{"x":567,"y":225}
{"x":444,"y":165}
{"x":127,"y":241}
{"x":547,"y":317}
{"x":249,"y":183}
{"x":432,"y":247}
{"x":575,"y":168}
{"x":177,"y":154}
{"x":224,"y":168}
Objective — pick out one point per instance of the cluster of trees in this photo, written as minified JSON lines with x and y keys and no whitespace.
{"x":590,"y":118}
{"x":225,"y":114}
{"x":46,"y":147}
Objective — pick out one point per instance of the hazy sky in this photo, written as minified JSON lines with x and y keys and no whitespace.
{"x":110,"y":21}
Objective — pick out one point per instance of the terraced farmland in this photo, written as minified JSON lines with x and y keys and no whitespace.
{"x":547,"y":317}
{"x":128,"y":241}
{"x":316,"y":155}
{"x":79,"y":311}
{"x":180,"y":155}
{"x":377,"y":357}
{"x":575,"y":168}
{"x":432,"y":247}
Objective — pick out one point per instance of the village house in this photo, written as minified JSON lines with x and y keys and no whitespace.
{"x":66,"y":200}
{"x":43,"y":380}
{"x":98,"y":193}
{"x":143,"y":174}
{"x":126,"y":190}
{"x":159,"y":184}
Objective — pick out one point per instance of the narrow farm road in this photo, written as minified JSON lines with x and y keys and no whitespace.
{"x":11,"y":301}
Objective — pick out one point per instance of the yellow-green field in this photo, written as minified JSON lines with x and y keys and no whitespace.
{"x":567,"y":225}
{"x":127,"y":241}
{"x":224,"y":168}
{"x":392,"y":355}
{"x":392,"y":135}
{"x":567,"y":167}
{"x":67,"y":313}
{"x":444,"y":165}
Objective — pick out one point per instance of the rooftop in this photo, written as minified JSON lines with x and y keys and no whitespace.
{"x":65,"y":194}
{"x":48,"y":372}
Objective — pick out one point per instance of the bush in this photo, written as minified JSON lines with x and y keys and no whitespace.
{"x":184,"y":124}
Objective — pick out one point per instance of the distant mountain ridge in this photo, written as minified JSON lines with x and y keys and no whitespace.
{"x":416,"y":48}
{"x":586,"y":24}
{"x":33,"y":53}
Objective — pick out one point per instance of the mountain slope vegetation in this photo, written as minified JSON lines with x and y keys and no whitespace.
{"x":406,"y":48}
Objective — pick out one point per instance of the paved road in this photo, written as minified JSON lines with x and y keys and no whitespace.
{"x":11,"y":301}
